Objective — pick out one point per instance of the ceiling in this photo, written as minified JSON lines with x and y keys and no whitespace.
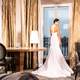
{"x":55,"y":1}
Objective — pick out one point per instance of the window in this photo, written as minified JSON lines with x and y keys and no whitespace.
{"x":49,"y":14}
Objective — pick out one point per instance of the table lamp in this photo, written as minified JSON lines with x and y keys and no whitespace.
{"x":34,"y":39}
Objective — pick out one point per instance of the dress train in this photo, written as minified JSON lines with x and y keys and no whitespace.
{"x":55,"y":64}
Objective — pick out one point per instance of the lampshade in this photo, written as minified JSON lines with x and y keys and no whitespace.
{"x":34,"y":37}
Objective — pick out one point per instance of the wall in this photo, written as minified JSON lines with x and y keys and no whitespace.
{"x":55,"y":1}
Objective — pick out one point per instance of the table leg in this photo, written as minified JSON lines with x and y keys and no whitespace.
{"x":21,"y":61}
{"x":20,"y":66}
{"x":35,"y":60}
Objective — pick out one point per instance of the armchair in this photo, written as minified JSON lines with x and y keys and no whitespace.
{"x":2,"y":58}
{"x":77,"y":67}
{"x":5,"y":61}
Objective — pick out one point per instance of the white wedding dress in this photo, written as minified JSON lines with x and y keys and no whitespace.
{"x":55,"y":64}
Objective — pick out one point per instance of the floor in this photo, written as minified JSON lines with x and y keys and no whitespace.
{"x":45,"y":78}
{"x":68,"y":78}
{"x":15,"y":76}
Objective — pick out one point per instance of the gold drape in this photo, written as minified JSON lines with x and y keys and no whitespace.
{"x":75,"y":31}
{"x":8,"y":22}
{"x":29,"y":17}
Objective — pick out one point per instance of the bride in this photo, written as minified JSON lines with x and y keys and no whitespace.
{"x":55,"y":64}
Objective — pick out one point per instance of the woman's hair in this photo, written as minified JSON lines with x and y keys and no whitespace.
{"x":55,"y":20}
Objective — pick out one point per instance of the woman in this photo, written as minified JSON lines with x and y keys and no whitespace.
{"x":55,"y":64}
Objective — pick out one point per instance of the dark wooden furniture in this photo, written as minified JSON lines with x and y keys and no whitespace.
{"x":19,"y":53}
{"x":3,"y":62}
{"x":77,"y":48}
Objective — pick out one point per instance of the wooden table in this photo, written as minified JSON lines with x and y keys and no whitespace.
{"x":20,"y":52}
{"x":20,"y":55}
{"x":37,"y":49}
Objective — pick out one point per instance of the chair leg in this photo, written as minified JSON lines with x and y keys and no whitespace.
{"x":6,"y":67}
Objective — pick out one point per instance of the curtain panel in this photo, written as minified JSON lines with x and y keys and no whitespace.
{"x":29,"y":21}
{"x":75,"y":31}
{"x":8,"y":22}
{"x":31,"y":17}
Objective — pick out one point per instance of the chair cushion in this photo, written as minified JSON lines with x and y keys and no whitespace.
{"x":78,"y":64}
{"x":2,"y":62}
{"x":2,"y":69}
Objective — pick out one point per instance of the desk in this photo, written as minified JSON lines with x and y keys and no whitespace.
{"x":36,"y":49}
{"x":20,"y":55}
{"x":20,"y":52}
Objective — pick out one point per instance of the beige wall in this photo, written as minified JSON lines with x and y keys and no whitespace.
{"x":55,"y":1}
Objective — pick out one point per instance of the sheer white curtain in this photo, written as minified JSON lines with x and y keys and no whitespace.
{"x":18,"y":23}
{"x":40,"y":26}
